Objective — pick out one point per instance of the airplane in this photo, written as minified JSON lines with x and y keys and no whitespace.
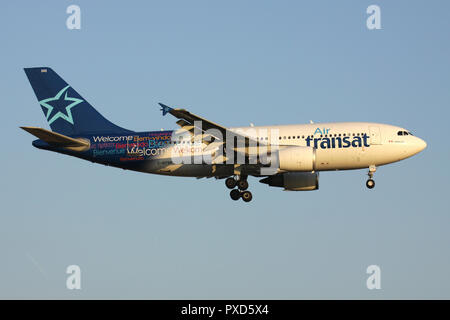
{"x":284,"y":156}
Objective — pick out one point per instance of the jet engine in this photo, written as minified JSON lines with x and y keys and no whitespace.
{"x":294,"y":181}
{"x":294,"y":158}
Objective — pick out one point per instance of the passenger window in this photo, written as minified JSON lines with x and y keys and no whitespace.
{"x":400,"y":133}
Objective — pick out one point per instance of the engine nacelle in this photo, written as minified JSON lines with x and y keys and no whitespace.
{"x":294,"y":181}
{"x":295,"y":158}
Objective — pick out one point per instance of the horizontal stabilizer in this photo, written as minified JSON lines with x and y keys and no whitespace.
{"x":57,"y":139}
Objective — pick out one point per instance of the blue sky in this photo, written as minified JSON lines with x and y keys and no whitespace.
{"x":234,"y":62}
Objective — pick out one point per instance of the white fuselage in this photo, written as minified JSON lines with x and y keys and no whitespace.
{"x":338,"y":146}
{"x":383,"y":144}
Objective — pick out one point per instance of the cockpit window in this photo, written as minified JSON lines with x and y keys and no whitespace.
{"x":404,"y":133}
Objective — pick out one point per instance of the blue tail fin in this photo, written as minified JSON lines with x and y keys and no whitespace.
{"x":66,"y":111}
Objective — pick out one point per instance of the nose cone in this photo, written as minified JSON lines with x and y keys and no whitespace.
{"x":419,"y":145}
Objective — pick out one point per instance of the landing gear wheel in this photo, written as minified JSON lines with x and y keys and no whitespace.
{"x":242,"y":185}
{"x":247,"y":196}
{"x":235,"y":194}
{"x":370,"y":184}
{"x":230,"y":183}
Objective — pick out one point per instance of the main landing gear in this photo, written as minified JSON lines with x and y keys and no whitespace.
{"x":241,"y":191}
{"x":370,"y":183}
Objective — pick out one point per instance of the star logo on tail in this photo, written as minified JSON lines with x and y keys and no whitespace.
{"x":60,"y":106}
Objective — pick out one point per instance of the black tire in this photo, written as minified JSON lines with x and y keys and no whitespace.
{"x":235,"y":194}
{"x":370,"y":184}
{"x":230,"y":183}
{"x":242,"y":185}
{"x":247,"y":196}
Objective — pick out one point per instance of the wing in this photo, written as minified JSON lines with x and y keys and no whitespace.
{"x":188,"y":121}
{"x":213,"y":134}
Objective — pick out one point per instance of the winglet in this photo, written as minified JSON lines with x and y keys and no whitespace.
{"x":165,"y":109}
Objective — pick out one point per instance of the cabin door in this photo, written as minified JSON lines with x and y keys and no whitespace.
{"x":375,"y":135}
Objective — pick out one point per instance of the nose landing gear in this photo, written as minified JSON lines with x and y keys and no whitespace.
{"x":241,"y":191}
{"x":370,"y":183}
